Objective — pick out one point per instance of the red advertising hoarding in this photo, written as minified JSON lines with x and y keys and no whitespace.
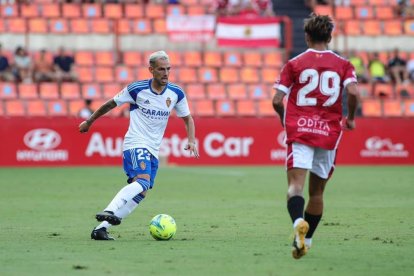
{"x":226,"y":141}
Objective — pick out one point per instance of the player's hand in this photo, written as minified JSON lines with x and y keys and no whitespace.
{"x":349,"y":124}
{"x":84,"y":127}
{"x":192,"y":147}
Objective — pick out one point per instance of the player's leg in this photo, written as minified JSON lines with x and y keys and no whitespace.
{"x":298,"y":161}
{"x":322,"y":168}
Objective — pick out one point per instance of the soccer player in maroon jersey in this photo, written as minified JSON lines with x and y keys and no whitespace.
{"x":313,"y":82}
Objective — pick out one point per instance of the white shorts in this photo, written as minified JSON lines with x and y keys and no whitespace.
{"x":319,"y":161}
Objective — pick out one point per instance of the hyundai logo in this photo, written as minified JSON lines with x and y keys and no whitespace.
{"x":42,"y":139}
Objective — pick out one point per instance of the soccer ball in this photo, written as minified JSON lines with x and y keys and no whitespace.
{"x":162,"y":227}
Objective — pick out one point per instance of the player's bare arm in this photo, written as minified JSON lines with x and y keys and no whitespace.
{"x":102,"y":110}
{"x":278,"y":105}
{"x":352,"y":103}
{"x":190,"y":128}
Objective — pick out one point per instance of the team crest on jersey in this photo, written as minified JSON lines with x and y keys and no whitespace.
{"x":142,"y":165}
{"x":168,"y":102}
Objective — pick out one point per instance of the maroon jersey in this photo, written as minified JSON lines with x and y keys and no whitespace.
{"x":313,"y":82}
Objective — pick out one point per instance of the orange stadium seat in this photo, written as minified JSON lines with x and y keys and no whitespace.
{"x":384,"y":12}
{"x":85,"y":74}
{"x":58,"y":26}
{"x":249,"y":75}
{"x":57,"y":108}
{"x":75,"y":106}
{"x":101,"y":26}
{"x":378,"y":2}
{"x":372,"y":27}
{"x":110,"y":90}
{"x":409,"y":108}
{"x":123,"y":26}
{"x":29,"y":11}
{"x":2,"y":26}
{"x":187,"y":74}
{"x":193,"y":58}
{"x":364,"y":12}
{"x":393,"y":108}
{"x":189,"y":2}
{"x":246,"y":108}
{"x":409,"y":27}
{"x":124,"y":74}
{"x":323,"y":10}
{"x":358,"y":2}
{"x":257,"y":91}
{"x":212,"y":58}
{"x":265,"y":108}
{"x":49,"y":91}
{"x":16,"y":25}
{"x":383,"y":90}
{"x":2,"y":109}
{"x":91,"y":10}
{"x":15,"y":108}
{"x":405,"y":90}
{"x":204,"y":108}
{"x":216,"y":91}
{"x":38,"y":25}
{"x":196,"y":10}
{"x":229,"y":75}
{"x":79,"y":26}
{"x":269,"y":75}
{"x":225,"y":108}
{"x":36,"y":108}
{"x":176,"y":58}
{"x":207,"y":74}
{"x":105,"y":58}
{"x":28,"y":91}
{"x":132,"y":58}
{"x":50,"y":10}
{"x":9,"y":10}
{"x":196,"y":91}
{"x":113,"y":11}
{"x":352,"y":27}
{"x":393,"y":27}
{"x":344,"y":12}
{"x":71,"y":10}
{"x":91,"y":91}
{"x":365,"y":90}
{"x":142,"y":26}
{"x":7,"y":90}
{"x":104,"y":74}
{"x":175,"y":10}
{"x":143,"y":73}
{"x":154,"y":10}
{"x":371,"y":108}
{"x":84,"y":58}
{"x":273,"y":59}
{"x":160,"y":26}
{"x":70,"y":91}
{"x":233,"y":59}
{"x":134,"y":11}
{"x":252,"y":58}
{"x":237,"y":91}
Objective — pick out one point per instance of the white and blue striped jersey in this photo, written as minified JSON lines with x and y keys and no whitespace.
{"x":149,"y":113}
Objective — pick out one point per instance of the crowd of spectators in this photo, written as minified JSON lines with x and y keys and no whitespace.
{"x":23,"y":68}
{"x":242,"y":7}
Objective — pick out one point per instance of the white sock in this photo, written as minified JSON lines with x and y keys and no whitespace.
{"x":124,"y":195}
{"x":103,"y":224}
{"x":308,"y":242}
{"x":127,"y":209}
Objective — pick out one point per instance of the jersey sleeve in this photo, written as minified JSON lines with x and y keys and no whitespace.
{"x":123,"y":97}
{"x":285,"y":80}
{"x":182,"y":108}
{"x":350,"y":75}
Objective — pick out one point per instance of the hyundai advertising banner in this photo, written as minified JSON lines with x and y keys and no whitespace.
{"x":227,"y":141}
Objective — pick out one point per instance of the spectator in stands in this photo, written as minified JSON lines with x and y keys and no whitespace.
{"x":23,"y":67}
{"x":377,"y":69}
{"x":64,"y":66}
{"x":358,"y":63}
{"x":87,"y":110}
{"x":410,"y":69}
{"x":221,"y":7}
{"x":404,"y":9}
{"x":5,"y":69}
{"x":43,"y":68}
{"x":397,"y":68}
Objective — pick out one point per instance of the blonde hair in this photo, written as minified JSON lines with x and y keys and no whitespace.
{"x":157,"y":55}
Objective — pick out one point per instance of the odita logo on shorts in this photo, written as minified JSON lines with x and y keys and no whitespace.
{"x":42,"y":139}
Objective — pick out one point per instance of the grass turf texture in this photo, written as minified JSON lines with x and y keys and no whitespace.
{"x":231,"y":221}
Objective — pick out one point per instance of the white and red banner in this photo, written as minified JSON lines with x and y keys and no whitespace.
{"x":227,"y":141}
{"x":248,"y":31}
{"x":193,"y":28}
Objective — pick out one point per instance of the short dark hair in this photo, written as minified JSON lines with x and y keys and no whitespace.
{"x":319,"y":27}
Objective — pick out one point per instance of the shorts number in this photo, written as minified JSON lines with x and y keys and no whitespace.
{"x":141,"y":154}
{"x":328,"y":82}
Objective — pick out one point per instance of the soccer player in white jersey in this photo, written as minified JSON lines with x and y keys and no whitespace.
{"x":151,"y":102}
{"x":313,"y":82}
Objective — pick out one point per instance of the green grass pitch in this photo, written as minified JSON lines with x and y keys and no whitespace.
{"x":231,"y":221}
